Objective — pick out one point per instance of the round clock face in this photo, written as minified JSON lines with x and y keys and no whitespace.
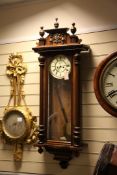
{"x":105,"y":84}
{"x":108,"y":82}
{"x":60,"y":67}
{"x":14,"y":124}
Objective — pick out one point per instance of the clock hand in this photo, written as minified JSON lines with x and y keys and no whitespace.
{"x":58,"y":68}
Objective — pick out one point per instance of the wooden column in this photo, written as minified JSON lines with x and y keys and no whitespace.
{"x":76,"y":100}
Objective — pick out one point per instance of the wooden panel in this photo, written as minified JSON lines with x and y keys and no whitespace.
{"x":100,"y":123}
{"x":16,"y":173}
{"x":10,"y":147}
{"x":98,"y":49}
{"x":30,"y":56}
{"x":29,"y":78}
{"x":2,"y":69}
{"x":97,"y":59}
{"x":93,"y":147}
{"x":31,"y":89}
{"x":4,"y":80}
{"x":105,"y":135}
{"x":91,"y":62}
{"x":93,"y":111}
{"x":17,"y":47}
{"x":89,"y":159}
{"x":104,"y":48}
{"x":87,"y":74}
{"x":32,"y":67}
{"x":32,"y":78}
{"x":99,"y":37}
{"x":27,"y":57}
{"x":27,"y":156}
{"x":34,"y":100}
{"x":89,"y":98}
{"x":47,"y":168}
{"x":28,"y":89}
{"x":35,"y":110}
{"x":4,"y":90}
{"x":87,"y":86}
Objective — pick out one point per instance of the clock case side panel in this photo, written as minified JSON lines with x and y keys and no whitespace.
{"x":62,"y":150}
{"x":97,"y":75}
{"x":43,"y":100}
{"x":76,"y":102}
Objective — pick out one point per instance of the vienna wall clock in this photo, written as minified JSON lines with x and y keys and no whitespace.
{"x":60,"y":106}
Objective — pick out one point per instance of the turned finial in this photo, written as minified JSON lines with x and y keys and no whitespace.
{"x":73,"y":29}
{"x":56,"y":24}
{"x":41,"y":32}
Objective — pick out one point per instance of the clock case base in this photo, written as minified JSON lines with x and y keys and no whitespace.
{"x":62,"y":153}
{"x":60,"y":42}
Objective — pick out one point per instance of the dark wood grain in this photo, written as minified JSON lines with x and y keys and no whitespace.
{"x":63,"y":98}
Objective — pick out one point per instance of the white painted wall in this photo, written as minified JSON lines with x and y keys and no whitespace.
{"x":22,"y":22}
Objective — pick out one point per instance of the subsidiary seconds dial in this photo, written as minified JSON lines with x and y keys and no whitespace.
{"x":105,"y":84}
{"x":60,"y":67}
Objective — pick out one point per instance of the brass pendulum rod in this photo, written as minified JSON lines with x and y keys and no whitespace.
{"x":18,"y":151}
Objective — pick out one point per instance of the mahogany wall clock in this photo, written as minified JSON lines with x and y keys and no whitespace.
{"x":60,"y":107}
{"x":105,"y":84}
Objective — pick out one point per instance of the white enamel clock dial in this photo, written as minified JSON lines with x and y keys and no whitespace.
{"x":105,"y":84}
{"x":60,"y":67}
{"x":14,"y":125}
{"x":108,"y":82}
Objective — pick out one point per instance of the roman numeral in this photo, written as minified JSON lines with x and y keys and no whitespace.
{"x":112,"y":93}
{"x":111,"y":74}
{"x":109,"y":84}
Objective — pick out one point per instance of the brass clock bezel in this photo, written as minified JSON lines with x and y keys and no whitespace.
{"x":97,"y":80}
{"x":27,"y":117}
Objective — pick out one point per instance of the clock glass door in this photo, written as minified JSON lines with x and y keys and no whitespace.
{"x":59,"y":100}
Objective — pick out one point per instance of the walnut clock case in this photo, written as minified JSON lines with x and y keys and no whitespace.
{"x":60,"y":107}
{"x":105,"y":84}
